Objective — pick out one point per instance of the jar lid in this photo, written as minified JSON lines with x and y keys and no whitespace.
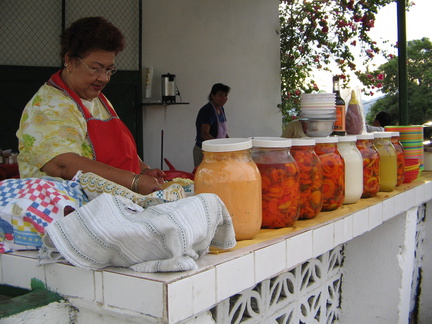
{"x":226,"y":144}
{"x":393,"y":134}
{"x":271,"y":142}
{"x":303,"y":142}
{"x":365,"y":136}
{"x":330,"y":139}
{"x":382,"y":134}
{"x":348,"y":138}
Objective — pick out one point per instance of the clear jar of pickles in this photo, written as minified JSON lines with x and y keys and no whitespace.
{"x":353,"y":168}
{"x":311,"y":177}
{"x":228,"y":171}
{"x":400,"y":157}
{"x":333,"y":167}
{"x":279,"y":179}
{"x":388,"y":160}
{"x":371,"y":165}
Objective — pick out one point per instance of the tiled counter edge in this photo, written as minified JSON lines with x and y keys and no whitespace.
{"x":177,"y":296}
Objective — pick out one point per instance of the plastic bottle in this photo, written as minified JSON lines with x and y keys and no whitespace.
{"x":388,"y":161}
{"x":333,"y":167}
{"x":228,"y":170}
{"x":311,"y":178}
{"x":353,"y":168}
{"x":280,"y":181}
{"x":371,"y":165}
{"x":354,"y":122}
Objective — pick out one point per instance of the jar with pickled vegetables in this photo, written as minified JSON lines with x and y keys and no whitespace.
{"x":228,"y":171}
{"x":371,"y":165}
{"x":279,"y":179}
{"x":388,"y":160}
{"x":400,"y":157}
{"x":353,"y":168}
{"x":311,"y":177}
{"x":333,"y":167}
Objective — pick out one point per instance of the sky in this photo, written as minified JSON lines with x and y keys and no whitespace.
{"x":418,"y":25}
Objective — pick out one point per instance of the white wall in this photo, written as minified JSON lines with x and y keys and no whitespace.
{"x":235,"y":42}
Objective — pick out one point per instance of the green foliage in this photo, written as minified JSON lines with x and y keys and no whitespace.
{"x":419,"y":71}
{"x":315,"y":34}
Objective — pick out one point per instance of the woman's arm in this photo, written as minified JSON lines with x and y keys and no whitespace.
{"x":66,"y":165}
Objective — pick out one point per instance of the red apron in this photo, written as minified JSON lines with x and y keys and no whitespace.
{"x":111,"y":141}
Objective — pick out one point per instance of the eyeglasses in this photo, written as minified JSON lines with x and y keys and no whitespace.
{"x":99,"y":72}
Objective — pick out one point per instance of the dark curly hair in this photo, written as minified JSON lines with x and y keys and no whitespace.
{"x":91,"y":33}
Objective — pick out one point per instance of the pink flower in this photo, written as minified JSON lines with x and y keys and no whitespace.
{"x":380,"y":77}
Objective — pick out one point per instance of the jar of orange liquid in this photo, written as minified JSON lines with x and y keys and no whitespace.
{"x":333,"y":167}
{"x":311,"y":178}
{"x":400,"y":157}
{"x":280,"y":181}
{"x":388,"y":160}
{"x":371,"y":165}
{"x":228,"y":171}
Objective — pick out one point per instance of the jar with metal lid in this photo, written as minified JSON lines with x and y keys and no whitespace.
{"x":371,"y":164}
{"x":333,"y":167}
{"x":400,"y":157}
{"x":279,"y":179}
{"x":353,"y":168}
{"x":228,"y":170}
{"x":388,"y":160}
{"x":311,"y":177}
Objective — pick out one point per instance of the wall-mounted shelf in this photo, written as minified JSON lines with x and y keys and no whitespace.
{"x":158,"y":103}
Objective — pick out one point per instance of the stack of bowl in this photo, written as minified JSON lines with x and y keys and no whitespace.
{"x":318,"y":111}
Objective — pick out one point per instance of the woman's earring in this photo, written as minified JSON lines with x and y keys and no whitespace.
{"x":65,"y":64}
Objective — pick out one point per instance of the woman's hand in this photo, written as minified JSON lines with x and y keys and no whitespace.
{"x":148,"y":184}
{"x":155,"y":173}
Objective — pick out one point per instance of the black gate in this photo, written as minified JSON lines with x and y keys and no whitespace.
{"x":29,"y":53}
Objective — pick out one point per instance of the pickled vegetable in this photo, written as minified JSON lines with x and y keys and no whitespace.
{"x":333,"y":168}
{"x":280,"y":194}
{"x":311,"y":179}
{"x":371,"y":167}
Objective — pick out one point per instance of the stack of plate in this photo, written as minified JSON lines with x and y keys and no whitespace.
{"x":318,"y":106}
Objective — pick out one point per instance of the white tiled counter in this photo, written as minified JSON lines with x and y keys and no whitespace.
{"x":303,"y":266}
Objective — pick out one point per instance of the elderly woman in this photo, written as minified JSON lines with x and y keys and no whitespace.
{"x":69,"y":125}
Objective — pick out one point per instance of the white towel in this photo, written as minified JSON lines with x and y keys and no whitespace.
{"x":113,"y":231}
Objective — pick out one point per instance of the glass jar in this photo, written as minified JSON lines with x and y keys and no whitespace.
{"x":228,"y":171}
{"x":371,"y":165}
{"x":388,"y":160}
{"x":279,"y":179}
{"x":400,"y":157}
{"x":353,"y":168}
{"x":333,"y":167}
{"x":311,"y":177}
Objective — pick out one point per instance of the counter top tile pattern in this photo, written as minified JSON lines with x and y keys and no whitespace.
{"x":173,"y":297}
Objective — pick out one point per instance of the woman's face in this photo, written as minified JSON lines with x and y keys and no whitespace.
{"x":82,"y":79}
{"x":219,"y":98}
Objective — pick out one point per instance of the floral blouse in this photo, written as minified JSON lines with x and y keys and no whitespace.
{"x":52,"y":124}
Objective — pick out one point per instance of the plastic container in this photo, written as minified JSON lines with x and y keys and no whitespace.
{"x":333,"y":167}
{"x":371,"y":165}
{"x":353,"y":168}
{"x":228,"y":170}
{"x":311,"y":178}
{"x":388,"y":160}
{"x":280,"y":181}
{"x":400,"y":157}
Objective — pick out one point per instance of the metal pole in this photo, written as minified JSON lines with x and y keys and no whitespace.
{"x":402,"y":64}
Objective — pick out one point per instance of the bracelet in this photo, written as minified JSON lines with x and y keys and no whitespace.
{"x":135,"y":181}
